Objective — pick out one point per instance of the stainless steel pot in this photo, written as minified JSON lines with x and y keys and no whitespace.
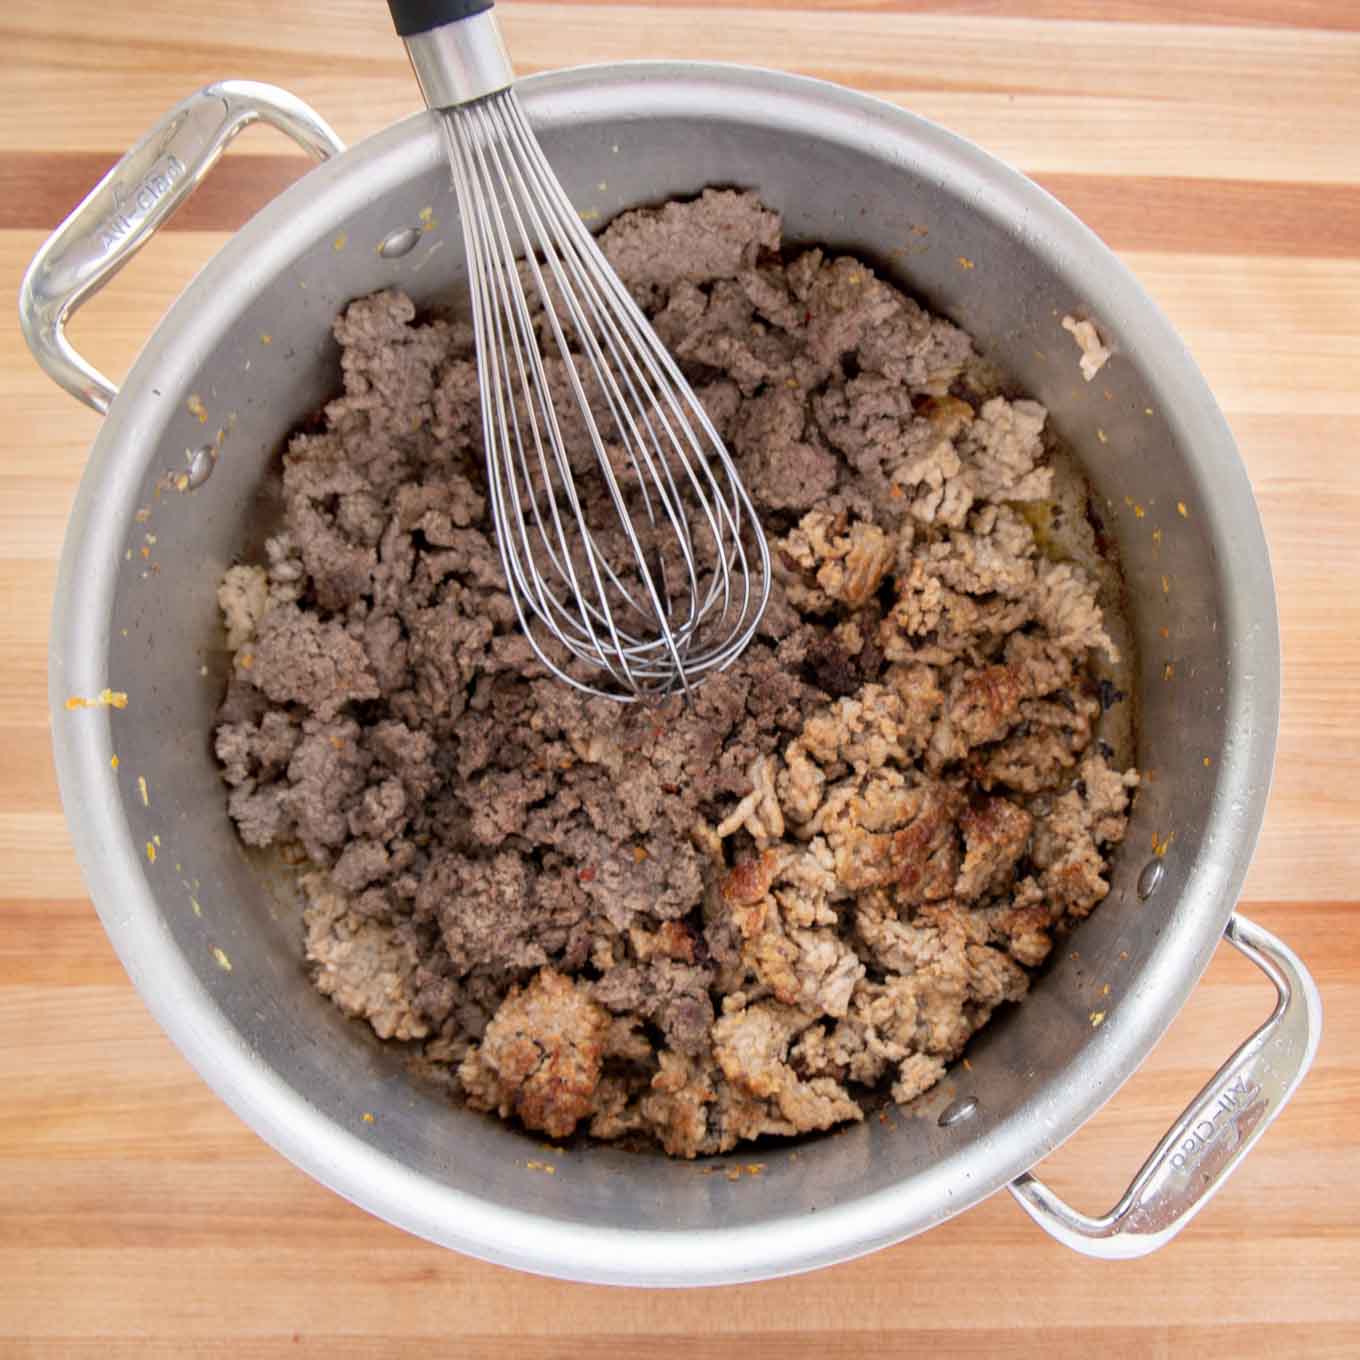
{"x":182,"y":456}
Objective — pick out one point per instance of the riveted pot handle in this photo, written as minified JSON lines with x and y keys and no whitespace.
{"x":1217,"y":1129}
{"x":121,"y":213}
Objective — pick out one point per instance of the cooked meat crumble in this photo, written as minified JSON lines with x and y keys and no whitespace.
{"x":694,"y":925}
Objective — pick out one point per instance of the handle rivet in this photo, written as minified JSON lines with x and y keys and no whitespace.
{"x":959,"y":1110}
{"x":201,"y":466}
{"x":1151,"y":878}
{"x":400,"y":242}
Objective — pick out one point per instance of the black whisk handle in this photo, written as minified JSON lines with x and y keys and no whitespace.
{"x":420,"y":16}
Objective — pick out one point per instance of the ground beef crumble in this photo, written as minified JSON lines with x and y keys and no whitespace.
{"x":694,"y":925}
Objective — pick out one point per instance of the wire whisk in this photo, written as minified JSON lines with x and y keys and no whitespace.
{"x":632,"y":551}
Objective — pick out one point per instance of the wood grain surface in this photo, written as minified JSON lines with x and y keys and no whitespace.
{"x":1216,"y":145}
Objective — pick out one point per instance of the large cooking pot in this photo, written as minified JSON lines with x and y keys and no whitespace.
{"x":210,"y":940}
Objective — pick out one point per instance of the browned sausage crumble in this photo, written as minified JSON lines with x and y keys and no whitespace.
{"x":694,"y":925}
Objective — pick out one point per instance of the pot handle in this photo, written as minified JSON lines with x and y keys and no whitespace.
{"x":1217,"y":1129}
{"x":121,"y":213}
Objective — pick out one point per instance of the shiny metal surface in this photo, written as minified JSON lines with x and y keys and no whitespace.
{"x":1218,"y":1128}
{"x":889,"y":186}
{"x":684,"y":593}
{"x":122,"y":211}
{"x":459,"y":62}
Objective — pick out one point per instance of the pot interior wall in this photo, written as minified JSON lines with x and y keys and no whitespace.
{"x":957,"y":243}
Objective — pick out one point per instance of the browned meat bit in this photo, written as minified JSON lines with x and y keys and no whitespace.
{"x":1071,"y":830}
{"x":871,"y":730}
{"x":847,"y":561}
{"x":540,"y":1058}
{"x":1002,"y":448}
{"x":886,"y":832}
{"x":1020,"y":924}
{"x":1045,"y":744}
{"x":717,"y":236}
{"x":789,"y":937}
{"x":995,"y":833}
{"x":367,"y":968}
{"x":751,"y":1046}
{"x":674,"y":996}
{"x":296,"y":658}
{"x":389,"y":366}
{"x":982,"y":707}
{"x":1067,"y":608}
{"x":677,"y":1105}
{"x":956,"y":978}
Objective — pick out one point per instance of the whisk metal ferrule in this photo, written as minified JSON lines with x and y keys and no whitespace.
{"x":455,"y":47}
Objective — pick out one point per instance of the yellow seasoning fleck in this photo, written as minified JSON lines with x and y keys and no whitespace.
{"x":1166,"y":585}
{"x":546,"y":1167}
{"x":142,"y":789}
{"x":157,"y":839}
{"x":223,"y":962}
{"x":1165,"y":632}
{"x":1208,"y":760}
{"x":196,"y":408}
{"x":339,"y":242}
{"x":1147,"y":410}
{"x":151,"y":852}
{"x":590,"y":215}
{"x":1097,"y":1019}
{"x":182,"y":482}
{"x":1160,"y":847}
{"x":427,"y":222}
{"x":1168,"y":671}
{"x":196,"y":905}
{"x":967,"y":1066}
{"x":367,"y":1117}
{"x":1102,"y":436}
{"x":965,"y":262}
{"x":1105,"y":990}
{"x":113,"y":762}
{"x":1138,"y":512}
{"x":106,"y":698}
{"x":1181,"y":510}
{"x":266,"y":338}
{"x":1157,"y":537}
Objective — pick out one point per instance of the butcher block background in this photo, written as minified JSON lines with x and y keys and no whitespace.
{"x":1215,"y":144}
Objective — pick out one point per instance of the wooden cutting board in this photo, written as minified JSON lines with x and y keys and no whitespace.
{"x":1216,"y":145}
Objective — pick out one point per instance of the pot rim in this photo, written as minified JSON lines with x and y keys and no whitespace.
{"x":82,"y":621}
